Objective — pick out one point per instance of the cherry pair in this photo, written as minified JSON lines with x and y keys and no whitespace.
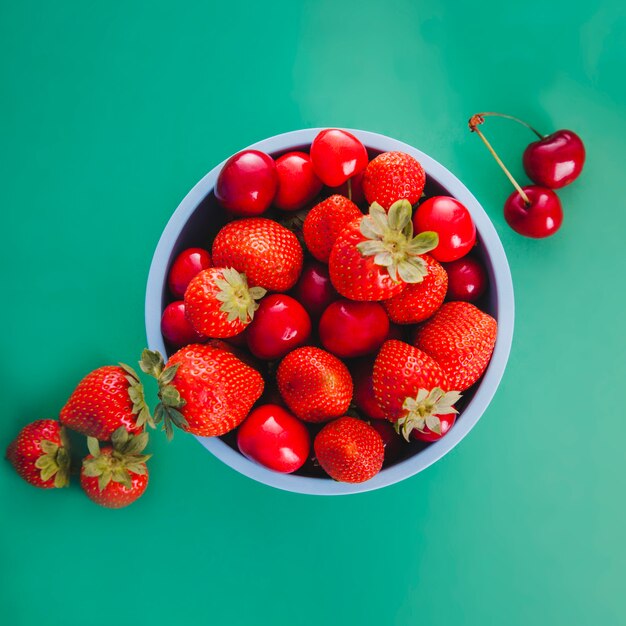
{"x":552,"y":162}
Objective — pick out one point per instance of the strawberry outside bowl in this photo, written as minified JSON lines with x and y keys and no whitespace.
{"x":198,"y":218}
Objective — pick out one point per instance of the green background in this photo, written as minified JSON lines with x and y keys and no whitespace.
{"x":111,"y":111}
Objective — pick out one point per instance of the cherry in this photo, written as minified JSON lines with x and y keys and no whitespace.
{"x":280,"y":324}
{"x":352,"y":189}
{"x":297,"y":181}
{"x":364,"y":398}
{"x":349,"y":328}
{"x":187,"y":264}
{"x":555,"y":160}
{"x":394,"y":443}
{"x":447,"y":421}
{"x":451,"y":221}
{"x":176,"y":328}
{"x":247,"y":183}
{"x":314,"y":289}
{"x":337,"y":155}
{"x":273,"y":437}
{"x":537,"y":215}
{"x":467,"y":279}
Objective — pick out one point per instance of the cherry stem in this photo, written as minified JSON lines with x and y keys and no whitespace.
{"x":508,"y":117}
{"x":475,"y":120}
{"x":349,"y":189}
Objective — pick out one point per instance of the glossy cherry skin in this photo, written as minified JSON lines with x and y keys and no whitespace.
{"x":394,"y":444}
{"x":556,"y":160}
{"x":447,"y":421}
{"x":176,"y":328}
{"x":297,"y":182}
{"x":247,"y":183}
{"x":451,"y":221}
{"x":337,"y":155}
{"x":541,"y":218}
{"x":349,"y":328}
{"x":467,"y":279}
{"x":363,"y":396}
{"x":187,"y":264}
{"x":273,"y":437}
{"x":280,"y":325}
{"x":314,"y":289}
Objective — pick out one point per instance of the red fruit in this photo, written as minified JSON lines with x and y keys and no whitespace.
{"x":445,"y":424}
{"x":451,"y":221}
{"x":337,"y":155}
{"x":314,"y":384}
{"x":376,"y":256}
{"x":325,"y":221}
{"x":364,"y":397}
{"x":314,"y":291}
{"x":40,"y":454}
{"x":204,"y":390}
{"x":219,"y":303}
{"x":541,"y":217}
{"x":273,"y":437}
{"x":107,"y":398}
{"x":393,"y":176}
{"x":352,"y":189}
{"x":349,"y":450}
{"x":394,"y":444}
{"x":467,"y":279}
{"x":420,"y":300}
{"x":176,"y":328}
{"x":115,"y":476}
{"x":461,"y":339}
{"x":297,"y":182}
{"x":349,"y":329}
{"x":269,"y":254}
{"x":411,"y":388}
{"x":187,"y":264}
{"x":555,"y":160}
{"x":247,"y":183}
{"x":280,"y":325}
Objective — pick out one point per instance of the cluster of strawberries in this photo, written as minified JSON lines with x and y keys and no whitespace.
{"x":308,"y":319}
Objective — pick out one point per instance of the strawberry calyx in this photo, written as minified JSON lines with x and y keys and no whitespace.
{"x":239,"y":301}
{"x":168,"y":409}
{"x":389,"y":239}
{"x":424,"y":409}
{"x":117,"y":463}
{"x":137,"y":397}
{"x":55,"y":460}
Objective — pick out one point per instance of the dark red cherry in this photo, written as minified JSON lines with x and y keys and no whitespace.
{"x":176,"y":328}
{"x":467,"y":279}
{"x":314,"y":291}
{"x":540,"y":217}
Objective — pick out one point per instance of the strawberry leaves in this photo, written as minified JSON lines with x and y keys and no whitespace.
{"x":137,"y":397}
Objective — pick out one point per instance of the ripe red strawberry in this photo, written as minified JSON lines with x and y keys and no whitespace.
{"x":204,"y":390}
{"x":40,"y":454}
{"x":411,"y":388}
{"x":349,"y":450}
{"x":461,"y":338}
{"x":116,"y":475}
{"x":107,"y":398}
{"x":325,"y":221}
{"x":268,"y":254}
{"x":375,"y":256}
{"x":314,"y":384}
{"x":393,"y":176}
{"x":417,"y":302}
{"x":219,"y":303}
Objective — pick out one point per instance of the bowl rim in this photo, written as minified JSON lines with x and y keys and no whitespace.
{"x":502,"y":285}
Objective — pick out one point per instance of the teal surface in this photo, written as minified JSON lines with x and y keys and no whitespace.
{"x":111,"y":111}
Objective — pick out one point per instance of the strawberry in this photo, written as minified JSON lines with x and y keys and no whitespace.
{"x":376,"y":255}
{"x":461,"y":338}
{"x":115,"y":475}
{"x":107,"y":398}
{"x":269,"y":254}
{"x":411,"y":388}
{"x":419,"y":301}
{"x":393,"y":176}
{"x":325,"y":221}
{"x":314,"y":384}
{"x":204,"y":390}
{"x":219,"y":303}
{"x":41,"y":454}
{"x":349,"y":450}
